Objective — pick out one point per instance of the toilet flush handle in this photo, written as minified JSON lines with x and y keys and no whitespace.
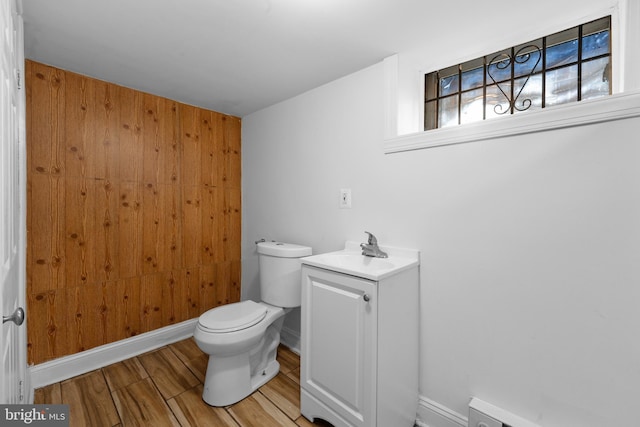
{"x":366,"y":297}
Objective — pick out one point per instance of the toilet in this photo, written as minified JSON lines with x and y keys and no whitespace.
{"x":242,"y":338}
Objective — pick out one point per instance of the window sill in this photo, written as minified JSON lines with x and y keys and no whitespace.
{"x":615,"y":107}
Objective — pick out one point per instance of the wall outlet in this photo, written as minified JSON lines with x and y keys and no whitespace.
{"x":345,"y":198}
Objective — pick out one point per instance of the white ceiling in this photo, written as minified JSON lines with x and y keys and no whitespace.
{"x":239,"y":56}
{"x":232,"y":56}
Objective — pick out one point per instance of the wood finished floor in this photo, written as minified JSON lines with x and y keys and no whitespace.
{"x":164,"y":388}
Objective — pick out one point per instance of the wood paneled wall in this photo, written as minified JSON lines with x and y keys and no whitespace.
{"x":133,"y":212}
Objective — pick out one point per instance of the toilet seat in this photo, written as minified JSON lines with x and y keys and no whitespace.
{"x":233,"y":317}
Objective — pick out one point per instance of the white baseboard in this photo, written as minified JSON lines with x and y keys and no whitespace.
{"x":430,"y":413}
{"x":291,"y":339}
{"x":76,"y":364}
{"x":433,"y":414}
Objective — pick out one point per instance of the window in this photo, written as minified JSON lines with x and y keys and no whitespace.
{"x":564,"y":67}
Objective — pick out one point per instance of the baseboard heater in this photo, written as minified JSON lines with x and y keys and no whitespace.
{"x":483,"y":414}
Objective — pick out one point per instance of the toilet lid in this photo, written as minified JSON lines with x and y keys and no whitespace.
{"x":233,"y":317}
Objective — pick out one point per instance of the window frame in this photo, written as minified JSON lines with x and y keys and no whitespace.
{"x":403,"y":89}
{"x":614,"y":107}
{"x":436,"y":94}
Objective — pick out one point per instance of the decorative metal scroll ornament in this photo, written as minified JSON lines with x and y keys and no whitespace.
{"x":503,"y":61}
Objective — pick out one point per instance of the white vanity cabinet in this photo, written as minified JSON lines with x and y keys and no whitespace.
{"x":359,"y":358}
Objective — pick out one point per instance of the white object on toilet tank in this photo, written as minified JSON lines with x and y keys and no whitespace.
{"x":280,"y":282}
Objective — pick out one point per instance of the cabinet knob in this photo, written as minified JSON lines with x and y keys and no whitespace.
{"x":366,"y":297}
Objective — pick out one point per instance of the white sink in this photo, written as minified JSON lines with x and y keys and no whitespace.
{"x":351,"y":261}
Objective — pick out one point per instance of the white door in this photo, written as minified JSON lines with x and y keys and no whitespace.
{"x":12,"y":204}
{"x":338,"y":363}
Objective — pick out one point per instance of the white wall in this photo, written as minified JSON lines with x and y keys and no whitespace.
{"x":530,"y":265}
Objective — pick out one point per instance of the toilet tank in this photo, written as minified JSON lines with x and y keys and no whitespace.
{"x":280,"y":281}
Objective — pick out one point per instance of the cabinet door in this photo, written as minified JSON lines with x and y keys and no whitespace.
{"x":338,"y":343}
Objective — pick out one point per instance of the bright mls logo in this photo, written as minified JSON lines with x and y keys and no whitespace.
{"x":34,"y":415}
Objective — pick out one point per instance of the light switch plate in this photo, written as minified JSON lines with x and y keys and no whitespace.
{"x":345,"y":198}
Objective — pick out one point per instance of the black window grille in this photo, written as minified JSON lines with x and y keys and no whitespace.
{"x":567,"y":66}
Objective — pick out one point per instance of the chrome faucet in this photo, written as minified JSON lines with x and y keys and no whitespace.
{"x":371,"y":247}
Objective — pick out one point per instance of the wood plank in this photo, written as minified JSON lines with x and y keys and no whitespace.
{"x":162,"y":221}
{"x":170,"y":310}
{"x":234,"y":282}
{"x":106,"y":139}
{"x":191,"y":225}
{"x":190,"y":293}
{"x":79,"y":124}
{"x":152,"y":139}
{"x":45,"y":119}
{"x":51,"y":394}
{"x":136,"y":396}
{"x":209,"y":297}
{"x":198,"y":367}
{"x":130,"y":135}
{"x":171,"y":164}
{"x":160,"y":140}
{"x":129,"y":312}
{"x":105,"y":231}
{"x":212,"y":153}
{"x":231,"y":238}
{"x":79,"y":224}
{"x":151,"y":300}
{"x":190,"y":354}
{"x":191,"y":410}
{"x":140,"y":404}
{"x":232,"y":149}
{"x":98,"y":313}
{"x":151,"y":228}
{"x":295,"y":375}
{"x":110,"y":313}
{"x":50,"y":341}
{"x":115,"y":186}
{"x":218,"y":240}
{"x":190,"y":144}
{"x":123,"y":374}
{"x":170,"y":375}
{"x":289,"y":361}
{"x":186,"y":350}
{"x":169,"y":254}
{"x":284,"y":393}
{"x":130,"y":229}
{"x":36,"y":338}
{"x":211,"y":218}
{"x":227,"y":283}
{"x":223,"y":283}
{"x":258,"y":411}
{"x":46,"y":245}
{"x":89,"y":401}
{"x":83,"y":322}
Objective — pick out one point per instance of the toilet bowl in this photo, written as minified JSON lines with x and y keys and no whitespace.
{"x":242,"y":338}
{"x":246,"y":331}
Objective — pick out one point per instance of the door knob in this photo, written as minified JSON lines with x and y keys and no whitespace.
{"x":17,"y":317}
